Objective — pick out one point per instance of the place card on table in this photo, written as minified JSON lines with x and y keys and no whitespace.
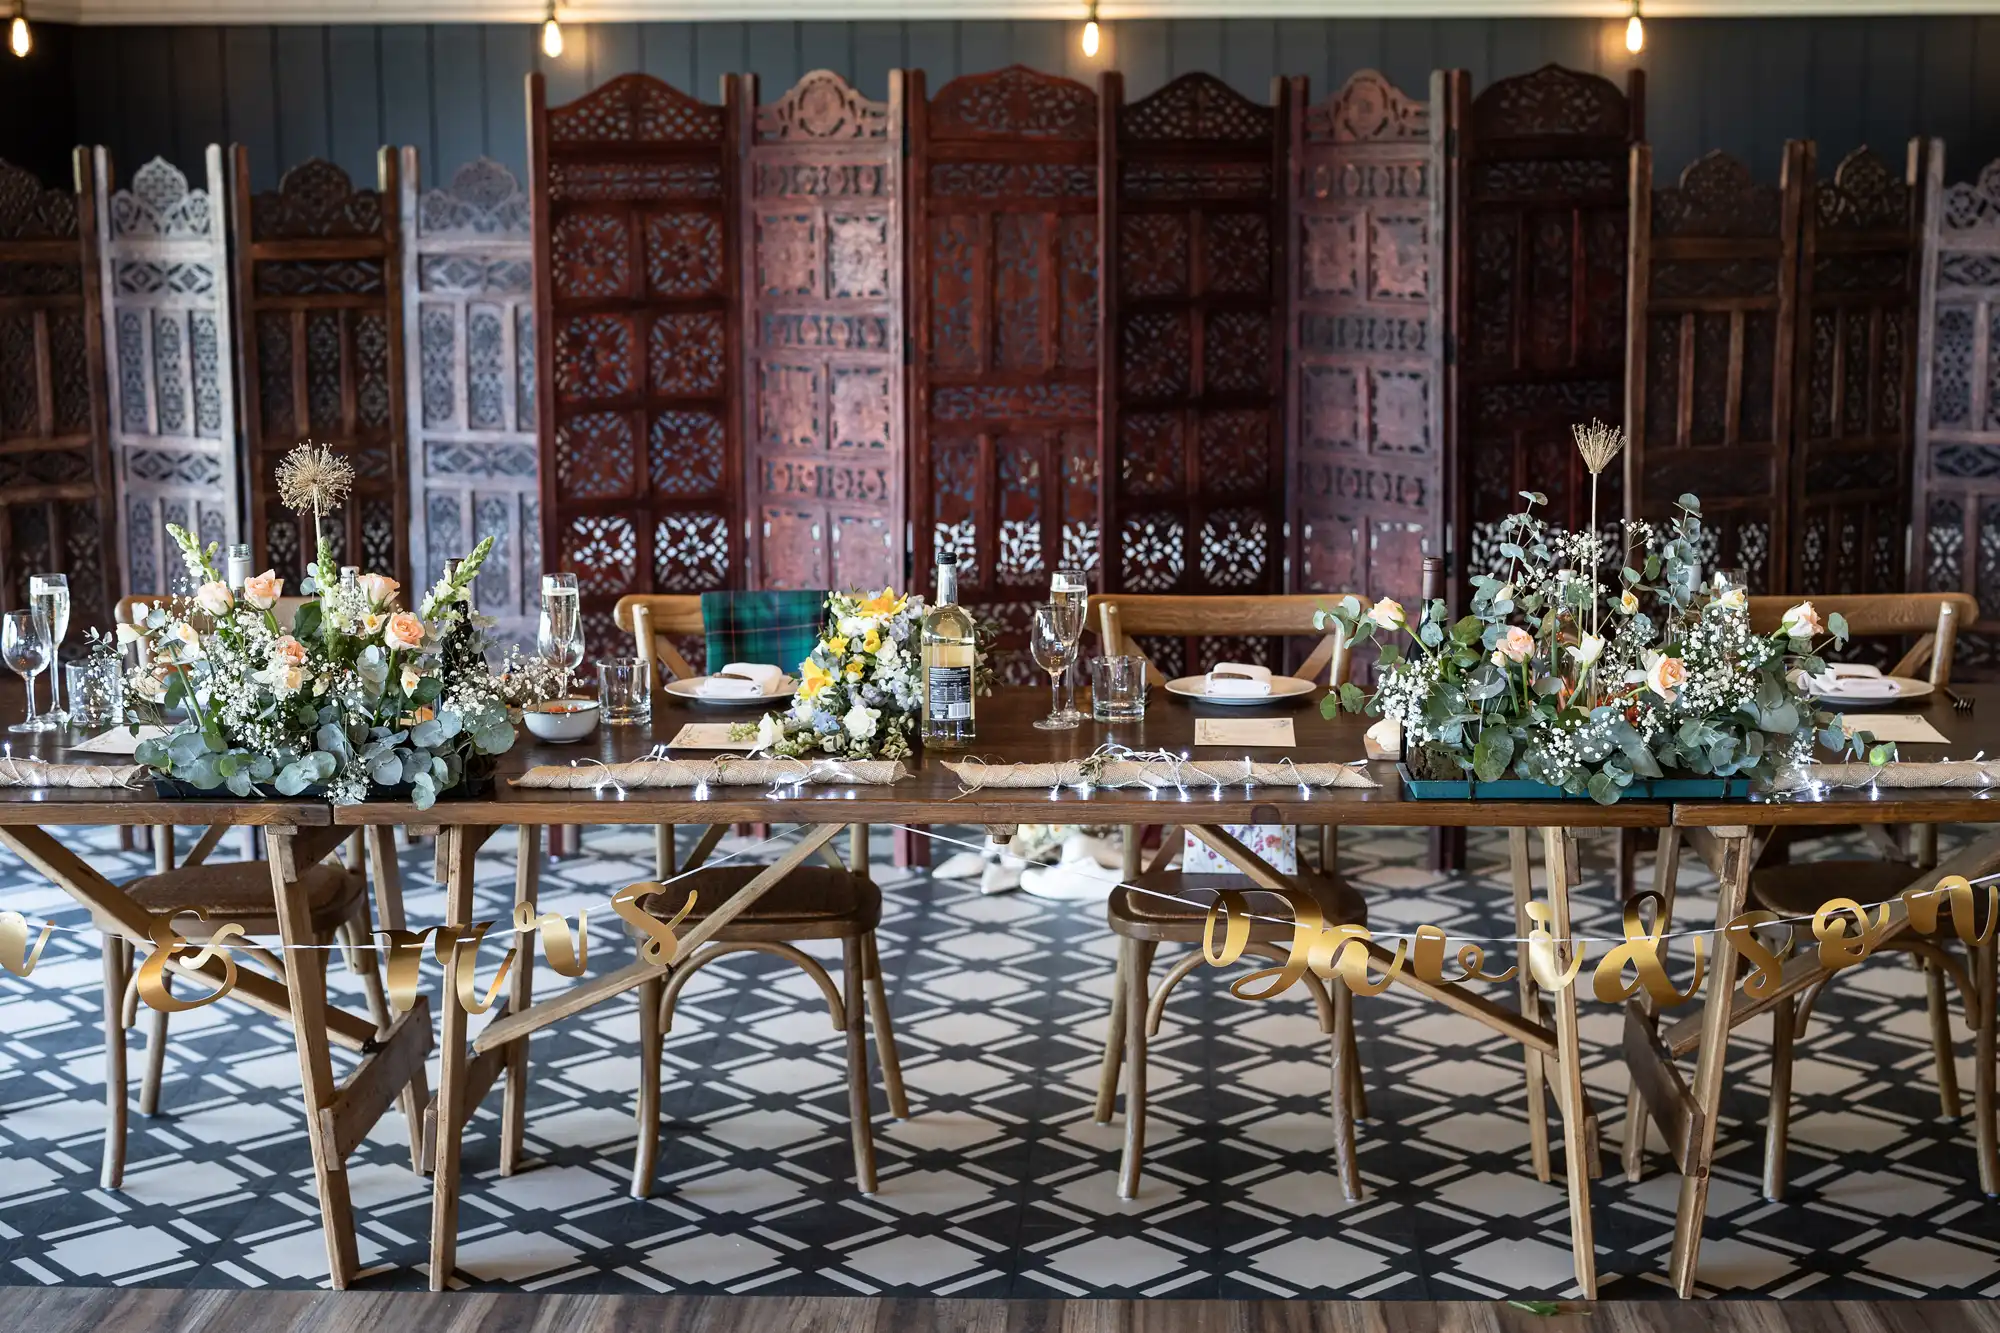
{"x":1903,"y":728}
{"x":1266,"y":732}
{"x":118,"y":740}
{"x":708,"y":736}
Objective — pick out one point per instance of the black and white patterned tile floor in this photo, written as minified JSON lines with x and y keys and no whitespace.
{"x":1000,"y":1184}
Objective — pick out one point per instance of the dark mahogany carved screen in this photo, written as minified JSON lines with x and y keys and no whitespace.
{"x":1193,"y":366}
{"x":1003,"y":274}
{"x":1861,"y":240}
{"x":635,"y":192}
{"x":1708,"y":378}
{"x":822,"y":278}
{"x":55,"y":475}
{"x":1957,"y":505}
{"x":319,"y":315}
{"x":1540,"y":246}
{"x":1366,"y":408}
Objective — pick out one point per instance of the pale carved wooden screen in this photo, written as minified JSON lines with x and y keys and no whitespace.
{"x":468,"y":305}
{"x":822,"y":277}
{"x":1709,"y":354}
{"x":1958,"y":404}
{"x":1192,"y":395}
{"x":635,"y":194}
{"x":164,"y":253}
{"x":319,"y":353}
{"x":1369,"y":382}
{"x":1861,"y":241}
{"x":1539,"y":242}
{"x":56,"y":502}
{"x":1003,"y":275}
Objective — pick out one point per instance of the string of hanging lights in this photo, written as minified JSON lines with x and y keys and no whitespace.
{"x":552,"y":38}
{"x":1090,"y":33}
{"x":1635,"y":31}
{"x":19,"y":40}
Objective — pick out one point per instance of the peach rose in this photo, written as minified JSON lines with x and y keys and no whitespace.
{"x":1665,"y":676}
{"x":381,"y":589}
{"x":263,"y":590}
{"x":1802,"y":622}
{"x":215,"y":598}
{"x":288,"y":649}
{"x":1516,"y":645}
{"x":1388,"y":613}
{"x":404,"y":631}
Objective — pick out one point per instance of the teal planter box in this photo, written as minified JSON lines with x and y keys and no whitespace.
{"x":1515,"y":789}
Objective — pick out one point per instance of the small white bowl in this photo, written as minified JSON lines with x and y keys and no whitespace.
{"x":562,"y":721}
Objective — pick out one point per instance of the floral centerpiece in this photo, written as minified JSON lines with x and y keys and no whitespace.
{"x":355,"y":696}
{"x":859,"y":692}
{"x":1556,"y":679}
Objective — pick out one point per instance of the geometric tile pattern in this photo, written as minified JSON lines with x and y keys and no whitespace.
{"x":1000,"y":1184}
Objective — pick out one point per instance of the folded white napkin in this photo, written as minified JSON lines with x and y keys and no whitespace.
{"x":1859,"y":687}
{"x":1238,"y":680}
{"x":1847,"y":670}
{"x":742,"y":680}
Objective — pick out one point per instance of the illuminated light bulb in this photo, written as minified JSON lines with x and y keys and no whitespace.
{"x":1635,"y":34}
{"x":18,"y":39}
{"x":552,"y":43}
{"x":1090,"y":38}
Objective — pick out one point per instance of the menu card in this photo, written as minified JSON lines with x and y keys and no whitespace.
{"x":1903,"y":728}
{"x":1265,"y":732}
{"x":709,"y":736}
{"x":118,"y":740}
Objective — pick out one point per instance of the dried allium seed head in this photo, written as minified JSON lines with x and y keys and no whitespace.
{"x":313,"y":477}
{"x":1599,"y":444}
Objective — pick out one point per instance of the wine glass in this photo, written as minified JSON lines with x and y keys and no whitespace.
{"x":1069,"y":593}
{"x":25,"y":649}
{"x":559,"y":638}
{"x":1053,"y":652}
{"x":48,"y":598}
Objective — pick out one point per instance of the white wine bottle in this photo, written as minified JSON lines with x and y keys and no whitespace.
{"x":949,"y":656}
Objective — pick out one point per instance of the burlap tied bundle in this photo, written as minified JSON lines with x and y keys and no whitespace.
{"x":1946,"y":773}
{"x":42,"y":773}
{"x":1162,"y":772}
{"x":724,"y":771}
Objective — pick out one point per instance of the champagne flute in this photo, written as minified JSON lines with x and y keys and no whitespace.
{"x":1053,"y":652}
{"x":559,"y":638}
{"x":25,"y":649}
{"x":48,"y":598}
{"x":1069,"y":594}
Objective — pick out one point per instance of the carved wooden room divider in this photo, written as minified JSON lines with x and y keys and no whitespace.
{"x":319,"y":346}
{"x":1709,"y":354}
{"x":56,"y":507}
{"x":1003,"y":271}
{"x":822,"y":283}
{"x":1958,"y":404}
{"x":1539,"y":239}
{"x":174,"y":457}
{"x":635,"y":189}
{"x":1369,"y":382}
{"x":1861,"y":243}
{"x":468,"y":301}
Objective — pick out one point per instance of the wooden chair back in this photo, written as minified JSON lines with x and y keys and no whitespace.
{"x":1120,"y":616}
{"x":652,"y":619}
{"x":1934,"y":616}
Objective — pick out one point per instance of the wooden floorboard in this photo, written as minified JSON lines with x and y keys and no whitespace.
{"x":145,"y":1310}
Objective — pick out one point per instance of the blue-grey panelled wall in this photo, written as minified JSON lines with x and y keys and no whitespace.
{"x":454,"y":90}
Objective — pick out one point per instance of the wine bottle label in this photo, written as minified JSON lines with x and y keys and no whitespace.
{"x":950,"y":693}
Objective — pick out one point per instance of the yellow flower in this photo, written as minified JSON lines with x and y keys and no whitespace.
{"x":838,"y":644}
{"x":854,"y":669}
{"x":813,"y":679}
{"x":886,"y":604}
{"x":873,"y":643}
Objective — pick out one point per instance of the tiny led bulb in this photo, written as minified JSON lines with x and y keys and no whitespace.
{"x":552,"y":38}
{"x":1090,"y":38}
{"x":1635,"y":35}
{"x":18,"y":40}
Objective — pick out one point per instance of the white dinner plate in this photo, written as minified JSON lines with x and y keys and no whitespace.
{"x":1282,"y":687}
{"x":1908,"y":690}
{"x":690,"y":689}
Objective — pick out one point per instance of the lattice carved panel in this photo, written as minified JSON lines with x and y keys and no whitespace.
{"x":1004,"y":283}
{"x":1192,"y":393}
{"x":56,"y":488}
{"x":319,"y":355}
{"x":1709,"y":353}
{"x":469,"y":384}
{"x":635,"y":187}
{"x":1855,"y":381}
{"x":1366,"y":401}
{"x":1540,"y":241}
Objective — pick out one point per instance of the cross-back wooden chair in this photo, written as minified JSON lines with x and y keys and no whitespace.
{"x":1155,"y":904}
{"x":1798,"y":890}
